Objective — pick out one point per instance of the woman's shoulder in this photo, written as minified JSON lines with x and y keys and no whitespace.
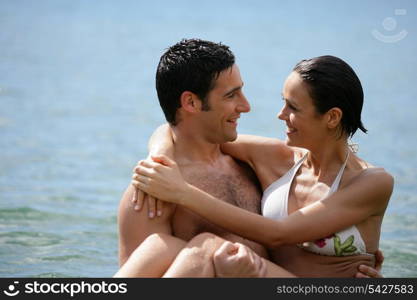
{"x":373,"y":178}
{"x":366,"y":169}
{"x":378,"y":175}
{"x":369,"y":186}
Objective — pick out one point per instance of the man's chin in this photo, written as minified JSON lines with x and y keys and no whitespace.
{"x":231,"y":137}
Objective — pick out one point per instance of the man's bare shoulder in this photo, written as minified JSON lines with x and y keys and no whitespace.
{"x":136,"y":226}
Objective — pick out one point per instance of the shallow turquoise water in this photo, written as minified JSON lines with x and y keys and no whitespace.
{"x":78,"y":105}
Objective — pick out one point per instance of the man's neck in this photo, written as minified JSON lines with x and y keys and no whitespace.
{"x":192,"y":147}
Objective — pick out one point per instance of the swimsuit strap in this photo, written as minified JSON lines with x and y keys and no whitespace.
{"x":336,"y":182}
{"x":299,"y":162}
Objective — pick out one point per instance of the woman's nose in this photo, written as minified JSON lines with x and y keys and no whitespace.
{"x":282,"y":115}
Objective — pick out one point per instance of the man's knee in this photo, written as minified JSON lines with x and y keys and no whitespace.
{"x":202,"y":246}
{"x":156,"y":241}
{"x":203,"y":239}
{"x":156,"y":237}
{"x":196,"y":258}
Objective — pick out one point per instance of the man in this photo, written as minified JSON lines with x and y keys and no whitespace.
{"x":200,"y":91}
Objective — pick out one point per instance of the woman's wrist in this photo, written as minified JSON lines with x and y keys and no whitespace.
{"x":185,"y":194}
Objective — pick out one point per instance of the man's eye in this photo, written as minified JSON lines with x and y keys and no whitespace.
{"x":231,"y":95}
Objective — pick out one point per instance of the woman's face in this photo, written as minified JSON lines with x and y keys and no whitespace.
{"x":305,"y":126}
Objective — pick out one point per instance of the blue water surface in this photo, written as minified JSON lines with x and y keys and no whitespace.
{"x":78,"y":104}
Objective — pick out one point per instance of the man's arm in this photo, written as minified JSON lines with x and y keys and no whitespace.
{"x":135,"y":227}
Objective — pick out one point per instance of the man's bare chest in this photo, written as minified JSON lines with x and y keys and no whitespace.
{"x":236,"y":186}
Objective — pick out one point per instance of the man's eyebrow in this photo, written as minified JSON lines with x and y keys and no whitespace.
{"x":234,"y":90}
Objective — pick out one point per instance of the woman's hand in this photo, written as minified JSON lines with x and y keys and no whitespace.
{"x":161,"y":178}
{"x":155,"y":206}
{"x":161,"y":142}
{"x":237,"y":260}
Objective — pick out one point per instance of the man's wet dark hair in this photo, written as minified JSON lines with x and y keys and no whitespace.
{"x":190,"y":65}
{"x":333,"y":83}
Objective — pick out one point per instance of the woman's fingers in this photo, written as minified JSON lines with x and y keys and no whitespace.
{"x":138,"y":164}
{"x":138,"y":199}
{"x":146,"y":167}
{"x":151,"y":207}
{"x":162,"y":159}
{"x":149,"y":164}
{"x":135,"y":183}
{"x":162,"y":182}
{"x":138,"y":195}
{"x":144,"y":171}
{"x":144,"y":179}
{"x":159,"y":207}
{"x":135,"y":196}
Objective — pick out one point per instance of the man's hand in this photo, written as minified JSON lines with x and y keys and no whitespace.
{"x":237,"y":260}
{"x":369,"y":272}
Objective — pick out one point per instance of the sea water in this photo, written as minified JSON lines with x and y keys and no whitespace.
{"x":78,"y":104}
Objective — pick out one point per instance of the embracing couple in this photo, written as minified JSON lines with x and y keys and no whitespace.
{"x":208,"y":202}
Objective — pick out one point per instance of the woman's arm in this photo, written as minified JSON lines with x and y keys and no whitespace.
{"x":160,"y":142}
{"x":256,"y":150}
{"x":348,"y":206}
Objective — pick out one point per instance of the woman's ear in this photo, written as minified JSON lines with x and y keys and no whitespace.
{"x":334,"y":117}
{"x":190,"y":102}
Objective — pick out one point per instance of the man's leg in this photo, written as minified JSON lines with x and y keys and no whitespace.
{"x":153,"y":256}
{"x":196,"y":259}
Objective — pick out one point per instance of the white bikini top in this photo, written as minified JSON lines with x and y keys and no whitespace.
{"x":275,"y":206}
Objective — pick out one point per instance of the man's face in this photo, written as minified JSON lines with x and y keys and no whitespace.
{"x":226,"y":101}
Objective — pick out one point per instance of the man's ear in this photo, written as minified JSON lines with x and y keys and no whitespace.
{"x":334,"y":117}
{"x":190,"y":102}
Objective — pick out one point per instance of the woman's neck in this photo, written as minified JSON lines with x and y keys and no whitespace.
{"x":327,"y":156}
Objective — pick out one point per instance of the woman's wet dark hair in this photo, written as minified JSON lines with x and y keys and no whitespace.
{"x":333,"y":83}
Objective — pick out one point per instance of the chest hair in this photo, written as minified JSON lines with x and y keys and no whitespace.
{"x":237,"y":185}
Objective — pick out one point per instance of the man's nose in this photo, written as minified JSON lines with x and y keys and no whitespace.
{"x":244,"y":105}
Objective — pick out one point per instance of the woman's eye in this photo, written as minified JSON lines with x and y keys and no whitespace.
{"x":292,"y":107}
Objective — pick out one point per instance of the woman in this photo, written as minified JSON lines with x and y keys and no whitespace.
{"x":318,"y":195}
